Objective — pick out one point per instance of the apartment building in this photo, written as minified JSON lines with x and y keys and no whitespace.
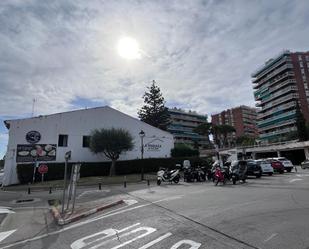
{"x":242,"y":118}
{"x":182,"y":127}
{"x":278,"y":86}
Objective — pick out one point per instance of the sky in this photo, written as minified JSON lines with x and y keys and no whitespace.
{"x":62,"y":53}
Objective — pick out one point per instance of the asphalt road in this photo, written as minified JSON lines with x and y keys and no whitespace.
{"x":271,"y":212}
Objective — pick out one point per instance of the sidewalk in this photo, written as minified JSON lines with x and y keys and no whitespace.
{"x":85,"y":181}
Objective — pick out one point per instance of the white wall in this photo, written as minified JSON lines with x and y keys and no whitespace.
{"x":77,"y":124}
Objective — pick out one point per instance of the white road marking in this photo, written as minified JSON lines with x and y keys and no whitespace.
{"x":6,"y":234}
{"x":6,"y":211}
{"x":294,"y":180}
{"x":78,"y":244}
{"x":271,"y":237}
{"x":108,"y":214}
{"x":193,"y":244}
{"x":151,"y":243}
{"x":92,"y":191}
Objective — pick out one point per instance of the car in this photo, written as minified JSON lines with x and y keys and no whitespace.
{"x":265,"y":166}
{"x":253,"y":169}
{"x":288,"y":165}
{"x":277,"y":165}
{"x":1,"y":176}
{"x":305,"y":164}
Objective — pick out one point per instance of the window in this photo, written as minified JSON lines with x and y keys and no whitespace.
{"x":63,"y":140}
{"x":299,"y":57}
{"x":301,"y":64}
{"x":86,"y":141}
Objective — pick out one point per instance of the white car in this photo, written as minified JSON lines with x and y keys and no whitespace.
{"x":288,"y":165}
{"x":265,"y":166}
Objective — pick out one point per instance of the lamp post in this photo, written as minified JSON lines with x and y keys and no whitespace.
{"x":142,"y":135}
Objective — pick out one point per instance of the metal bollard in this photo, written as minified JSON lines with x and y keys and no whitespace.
{"x":125,"y":182}
{"x":50,"y":190}
{"x":148,"y":182}
{"x":100,"y":186}
{"x":29,"y":191}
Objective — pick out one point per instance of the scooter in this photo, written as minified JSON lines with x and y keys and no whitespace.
{"x":238,"y":172}
{"x":200,"y":174}
{"x":165,"y":175}
{"x":219,"y":176}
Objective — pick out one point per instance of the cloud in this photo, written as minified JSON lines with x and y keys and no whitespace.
{"x":201,"y":53}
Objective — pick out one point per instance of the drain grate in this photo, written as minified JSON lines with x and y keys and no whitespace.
{"x":25,"y":200}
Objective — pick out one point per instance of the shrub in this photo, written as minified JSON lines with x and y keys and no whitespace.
{"x":56,"y":170}
{"x":183,"y":150}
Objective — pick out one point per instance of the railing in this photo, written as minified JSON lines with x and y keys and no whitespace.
{"x":278,"y":101}
{"x":277,"y":109}
{"x":279,"y":93}
{"x":277,"y":132}
{"x":274,"y":73}
{"x":279,"y":124}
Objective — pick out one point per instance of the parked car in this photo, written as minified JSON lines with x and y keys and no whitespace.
{"x":288,"y":165}
{"x":1,"y":176}
{"x":253,"y":169}
{"x":305,"y":164}
{"x":265,"y":166}
{"x":277,"y":165}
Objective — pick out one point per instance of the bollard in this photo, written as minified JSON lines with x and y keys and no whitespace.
{"x":29,"y":191}
{"x":100,"y":186}
{"x":125,"y":182}
{"x":50,"y":190}
{"x":148,"y":182}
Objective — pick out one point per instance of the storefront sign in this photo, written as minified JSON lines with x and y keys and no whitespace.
{"x":33,"y":137}
{"x":154,"y":145}
{"x":35,"y":152}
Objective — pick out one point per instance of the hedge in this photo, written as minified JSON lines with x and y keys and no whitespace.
{"x":56,"y":170}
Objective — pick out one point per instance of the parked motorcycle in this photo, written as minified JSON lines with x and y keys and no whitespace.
{"x":238,"y":171}
{"x":219,"y":176}
{"x":200,"y":174}
{"x":166,"y":175}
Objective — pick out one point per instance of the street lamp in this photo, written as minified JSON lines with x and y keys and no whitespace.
{"x":142,"y":135}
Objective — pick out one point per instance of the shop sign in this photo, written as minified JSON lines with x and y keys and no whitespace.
{"x":35,"y":152}
{"x":33,"y":137}
{"x":154,"y":145}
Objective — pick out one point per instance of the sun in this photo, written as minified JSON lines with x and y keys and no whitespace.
{"x":128,"y":48}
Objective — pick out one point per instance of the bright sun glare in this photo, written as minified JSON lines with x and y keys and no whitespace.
{"x":128,"y":48}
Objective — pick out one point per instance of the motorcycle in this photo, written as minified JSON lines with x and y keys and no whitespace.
{"x":219,"y":176}
{"x":238,"y":171}
{"x":200,"y":174}
{"x":165,"y":175}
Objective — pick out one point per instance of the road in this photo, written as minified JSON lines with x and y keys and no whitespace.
{"x":271,"y":212}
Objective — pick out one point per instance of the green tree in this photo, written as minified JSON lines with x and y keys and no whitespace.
{"x":245,"y":140}
{"x":203,"y":129}
{"x":111,"y":142}
{"x":154,"y":111}
{"x":225,"y":130}
{"x":183,"y":150}
{"x":301,"y":125}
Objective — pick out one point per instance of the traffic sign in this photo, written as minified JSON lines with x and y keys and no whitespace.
{"x":43,"y":169}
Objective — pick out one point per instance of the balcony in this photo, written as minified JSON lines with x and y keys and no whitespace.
{"x":277,"y":109}
{"x":272,"y":63}
{"x":277,"y":125}
{"x":277,"y":132}
{"x":273,"y":74}
{"x":284,"y":83}
{"x":279,"y":93}
{"x":279,"y":101}
{"x":278,"y":118}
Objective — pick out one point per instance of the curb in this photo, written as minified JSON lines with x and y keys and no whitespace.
{"x":61,"y":221}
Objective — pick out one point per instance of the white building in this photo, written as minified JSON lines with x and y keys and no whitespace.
{"x":51,"y":136}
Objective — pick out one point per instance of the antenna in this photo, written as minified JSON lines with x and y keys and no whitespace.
{"x":33,"y":103}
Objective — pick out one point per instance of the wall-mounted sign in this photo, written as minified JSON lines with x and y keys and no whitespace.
{"x":154,"y":145}
{"x":33,"y":137}
{"x":36,"y":152}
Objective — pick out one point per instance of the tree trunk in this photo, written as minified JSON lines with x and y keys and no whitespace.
{"x":112,"y":168}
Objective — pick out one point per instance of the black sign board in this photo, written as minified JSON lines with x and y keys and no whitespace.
{"x":33,"y":137}
{"x":33,"y":152}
